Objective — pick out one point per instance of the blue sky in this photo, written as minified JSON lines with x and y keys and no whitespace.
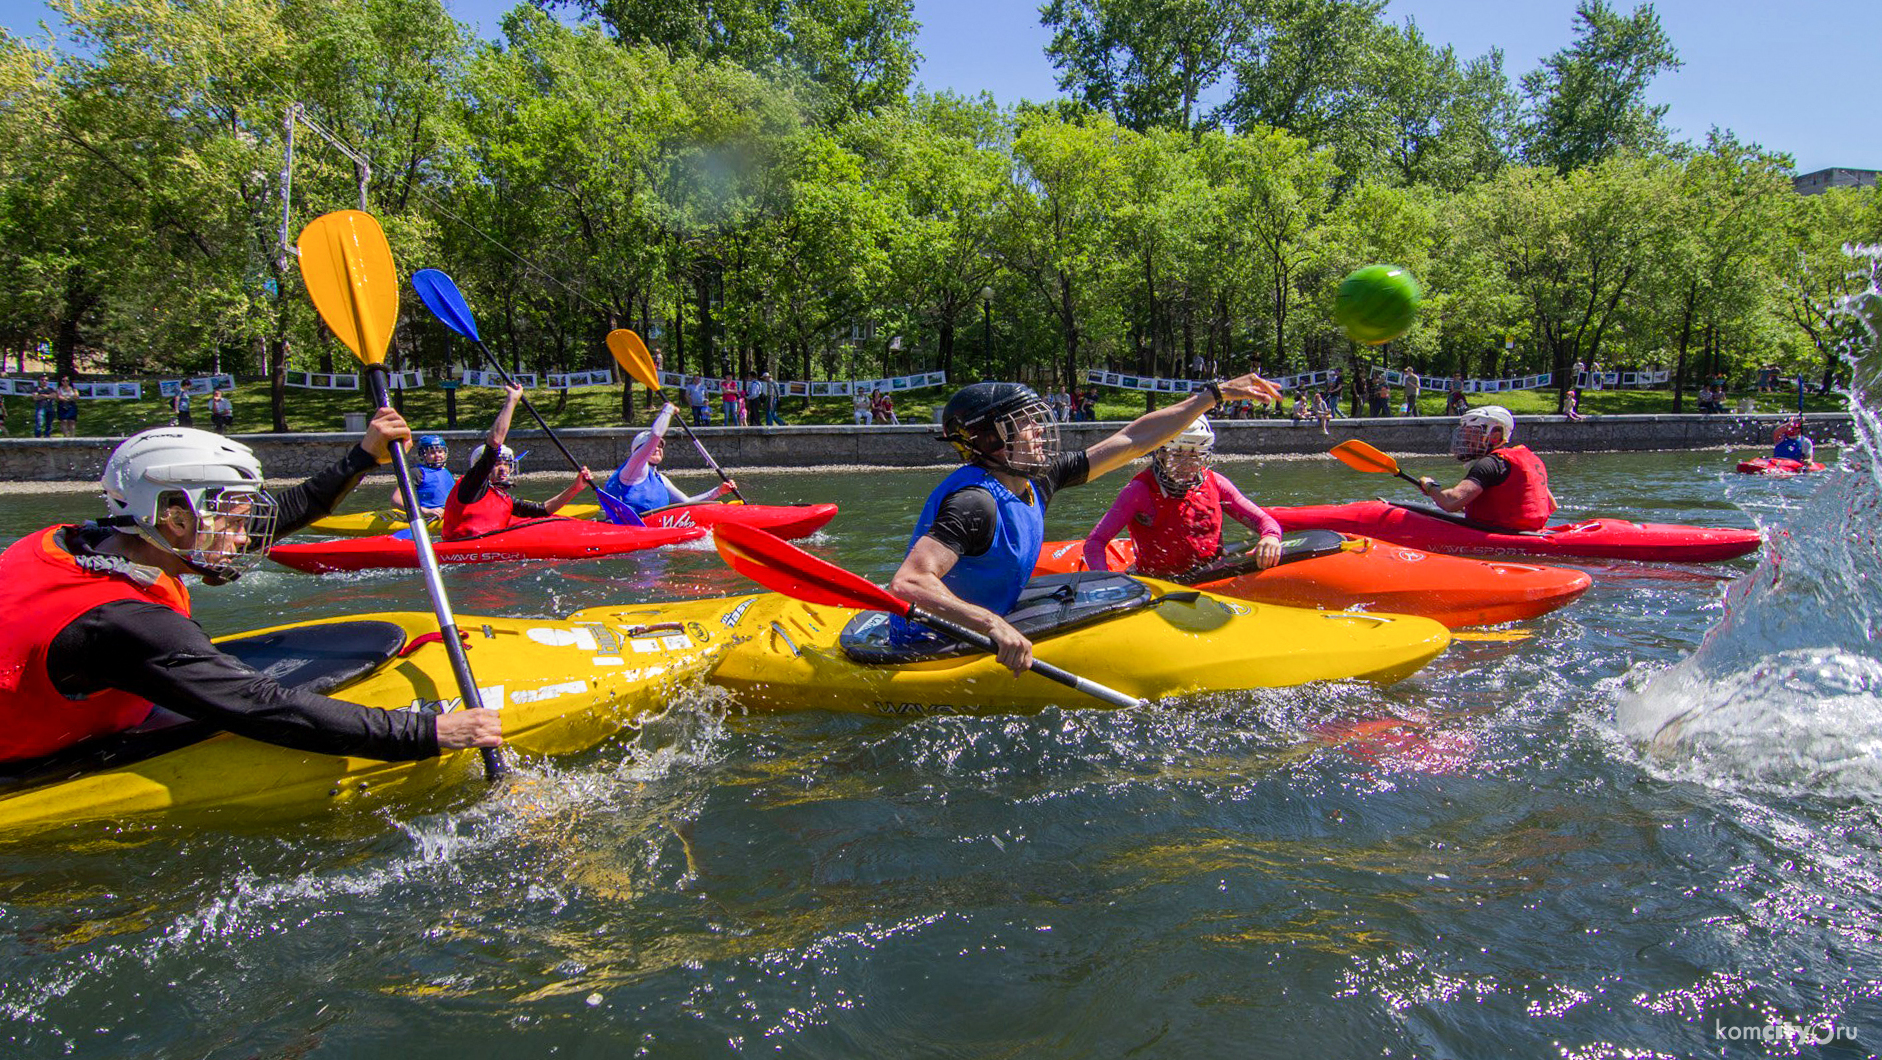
{"x":1796,"y":77}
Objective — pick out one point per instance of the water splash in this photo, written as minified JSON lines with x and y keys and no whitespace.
{"x":1786,"y":691}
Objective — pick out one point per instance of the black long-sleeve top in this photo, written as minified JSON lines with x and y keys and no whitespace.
{"x":151,"y":651}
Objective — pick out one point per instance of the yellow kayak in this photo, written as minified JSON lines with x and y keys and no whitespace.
{"x":1145,"y":638}
{"x":563,"y":685}
{"x":392,"y":520}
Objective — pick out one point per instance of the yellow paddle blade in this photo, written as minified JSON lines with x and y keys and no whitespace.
{"x":1362,"y":457}
{"x":631,"y":354}
{"x":350,"y":276}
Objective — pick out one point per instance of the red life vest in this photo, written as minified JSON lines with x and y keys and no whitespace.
{"x":42,"y":590}
{"x":1182,"y":532}
{"x":487,"y":514}
{"x":1520,"y":502}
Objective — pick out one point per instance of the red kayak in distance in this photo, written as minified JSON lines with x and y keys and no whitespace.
{"x":780,"y":520}
{"x":1338,"y":572}
{"x":1436,"y":531}
{"x":1777,"y":465}
{"x":553,"y":538}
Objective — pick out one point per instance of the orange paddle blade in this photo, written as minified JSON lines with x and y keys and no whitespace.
{"x":348,"y":269}
{"x":631,"y":354}
{"x":1362,"y":457}
{"x":781,"y":566}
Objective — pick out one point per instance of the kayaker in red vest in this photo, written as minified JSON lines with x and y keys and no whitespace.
{"x":94,"y":618}
{"x":1506,"y":486}
{"x":977,"y":539}
{"x":1174,"y":511}
{"x":481,"y":503}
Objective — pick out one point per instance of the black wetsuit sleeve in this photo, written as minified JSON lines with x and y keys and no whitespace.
{"x":470,"y":488}
{"x":1490,"y":470}
{"x":523,"y":509}
{"x":320,"y":494}
{"x":965,"y":522}
{"x":151,"y":651}
{"x":1068,"y":469}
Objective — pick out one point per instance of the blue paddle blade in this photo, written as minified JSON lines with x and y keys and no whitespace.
{"x":442,"y":297}
{"x":617,"y":511}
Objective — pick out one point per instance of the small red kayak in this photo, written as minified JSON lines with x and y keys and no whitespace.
{"x":1436,"y":531}
{"x":1336,"y":572}
{"x":781,"y":520}
{"x":1777,"y":465}
{"x":538,"y":539}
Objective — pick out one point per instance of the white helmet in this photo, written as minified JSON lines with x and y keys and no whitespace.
{"x":1471,"y":438}
{"x":1180,"y":463}
{"x":504,"y":453}
{"x":217,"y":479}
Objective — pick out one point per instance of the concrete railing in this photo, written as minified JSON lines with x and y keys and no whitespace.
{"x":603,"y":448}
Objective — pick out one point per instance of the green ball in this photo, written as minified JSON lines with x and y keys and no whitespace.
{"x":1377,"y":304}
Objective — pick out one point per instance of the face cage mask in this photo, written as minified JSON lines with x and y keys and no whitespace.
{"x":434,"y":456}
{"x":1029,"y":439}
{"x":1179,"y":470}
{"x":233,"y":530}
{"x":503,"y":471}
{"x":1471,"y":440}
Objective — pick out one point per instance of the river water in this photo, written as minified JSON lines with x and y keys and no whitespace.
{"x":1510,"y":873}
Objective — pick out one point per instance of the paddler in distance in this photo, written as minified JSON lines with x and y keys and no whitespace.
{"x":1174,"y":509}
{"x":639,"y":484}
{"x":95,"y":620}
{"x":481,"y":503}
{"x":1789,"y":442}
{"x":978,"y":536}
{"x":431,"y":477}
{"x":1507,"y":486}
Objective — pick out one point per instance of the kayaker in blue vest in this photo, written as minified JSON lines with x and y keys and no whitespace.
{"x":1791,"y":443}
{"x":638,"y":482}
{"x":977,"y":539}
{"x":431,"y":477}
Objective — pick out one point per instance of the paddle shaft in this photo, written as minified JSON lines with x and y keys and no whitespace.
{"x":546,"y":429}
{"x":494,"y":766}
{"x":1043,"y":669}
{"x":707,"y":457}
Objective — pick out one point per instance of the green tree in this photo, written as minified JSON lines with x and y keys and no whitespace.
{"x":858,"y":55}
{"x":1146,"y":63}
{"x":1587,"y":102}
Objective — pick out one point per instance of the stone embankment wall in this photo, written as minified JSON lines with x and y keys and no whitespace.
{"x":293,"y":455}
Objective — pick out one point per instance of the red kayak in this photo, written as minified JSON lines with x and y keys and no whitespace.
{"x":1435,"y":531}
{"x":1777,"y":465}
{"x":1323,"y":569}
{"x":782,"y":520}
{"x":537,"y":539}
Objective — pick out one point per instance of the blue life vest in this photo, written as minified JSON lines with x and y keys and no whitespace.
{"x":433,"y":485}
{"x":994,"y":578}
{"x":1795,"y":448}
{"x":644,"y":496}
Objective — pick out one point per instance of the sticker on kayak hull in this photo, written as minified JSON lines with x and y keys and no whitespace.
{"x":537,"y":695}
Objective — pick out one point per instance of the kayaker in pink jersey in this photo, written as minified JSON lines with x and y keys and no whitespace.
{"x":1507,"y":485}
{"x":1174,"y":511}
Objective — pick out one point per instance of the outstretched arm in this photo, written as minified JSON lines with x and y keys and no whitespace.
{"x":501,"y":428}
{"x":1152,"y":429}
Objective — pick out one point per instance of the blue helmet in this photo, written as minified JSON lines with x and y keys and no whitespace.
{"x":426,"y":441}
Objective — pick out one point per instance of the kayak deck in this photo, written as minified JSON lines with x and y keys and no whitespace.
{"x":1435,"y":531}
{"x":563,"y":685}
{"x":1352,"y":571}
{"x":789,"y":655}
{"x":554,"y":538}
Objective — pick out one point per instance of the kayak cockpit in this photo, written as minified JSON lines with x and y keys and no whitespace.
{"x":1048,"y":605}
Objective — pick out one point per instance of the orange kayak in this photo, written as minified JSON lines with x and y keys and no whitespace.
{"x":1335,"y":572}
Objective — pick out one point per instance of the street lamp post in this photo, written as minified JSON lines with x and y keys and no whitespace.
{"x":986,"y":329}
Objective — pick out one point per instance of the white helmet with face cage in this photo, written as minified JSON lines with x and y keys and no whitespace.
{"x":1181,"y":463}
{"x":216,"y":479}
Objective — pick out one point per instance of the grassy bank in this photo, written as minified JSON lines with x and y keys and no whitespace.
{"x":316,"y":410}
